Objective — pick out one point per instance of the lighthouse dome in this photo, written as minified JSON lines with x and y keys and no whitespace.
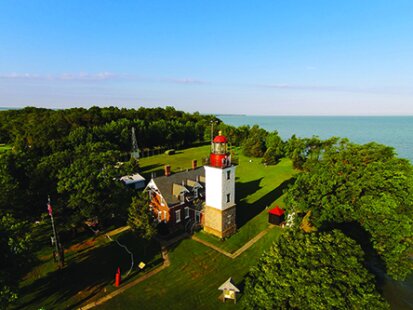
{"x":220,"y":138}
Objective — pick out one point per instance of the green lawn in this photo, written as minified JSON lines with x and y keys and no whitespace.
{"x":192,"y":280}
{"x":180,"y":161}
{"x":90,"y":270}
{"x":4,"y":147}
{"x":195,"y":272}
{"x":257,"y":187}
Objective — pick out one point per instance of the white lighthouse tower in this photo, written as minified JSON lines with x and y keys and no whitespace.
{"x":220,"y":191}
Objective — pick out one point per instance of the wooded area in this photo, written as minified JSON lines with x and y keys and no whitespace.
{"x":77,"y":156}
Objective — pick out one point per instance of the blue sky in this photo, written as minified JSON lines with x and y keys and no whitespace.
{"x":249,"y":57}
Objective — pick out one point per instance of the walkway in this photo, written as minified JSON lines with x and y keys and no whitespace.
{"x":238,"y":252}
{"x":166,"y":264}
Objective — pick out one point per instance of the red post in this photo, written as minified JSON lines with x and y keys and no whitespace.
{"x":117,"y":278}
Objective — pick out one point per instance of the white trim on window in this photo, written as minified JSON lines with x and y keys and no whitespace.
{"x":195,"y":192}
{"x":186,"y":212}
{"x":178,"y":215}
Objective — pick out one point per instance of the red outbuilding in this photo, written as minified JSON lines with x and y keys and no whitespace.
{"x":276,"y":215}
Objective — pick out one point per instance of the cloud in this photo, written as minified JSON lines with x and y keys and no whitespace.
{"x":297,"y":86}
{"x":101,"y":76}
{"x":182,"y":81}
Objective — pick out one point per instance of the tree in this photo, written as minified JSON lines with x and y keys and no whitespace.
{"x":140,"y":218}
{"x":275,"y":149}
{"x":254,"y":145}
{"x":301,"y":150}
{"x":312,"y":271}
{"x":366,"y":184}
{"x":15,"y":243}
{"x":91,"y":183}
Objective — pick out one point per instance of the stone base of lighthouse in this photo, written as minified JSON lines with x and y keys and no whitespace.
{"x":220,"y":223}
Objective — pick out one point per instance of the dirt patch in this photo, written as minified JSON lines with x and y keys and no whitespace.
{"x":81,"y":246}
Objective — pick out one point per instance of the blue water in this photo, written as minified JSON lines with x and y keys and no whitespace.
{"x":395,"y":131}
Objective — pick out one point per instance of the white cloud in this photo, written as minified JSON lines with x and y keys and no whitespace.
{"x":83,"y":76}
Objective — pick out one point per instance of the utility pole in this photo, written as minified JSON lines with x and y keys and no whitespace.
{"x":212,"y":133}
{"x":135,"y":148}
{"x":58,"y":251}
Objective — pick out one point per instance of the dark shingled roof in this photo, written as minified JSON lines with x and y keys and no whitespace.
{"x":165,"y":183}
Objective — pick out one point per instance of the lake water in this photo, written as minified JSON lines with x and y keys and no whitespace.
{"x":395,"y":131}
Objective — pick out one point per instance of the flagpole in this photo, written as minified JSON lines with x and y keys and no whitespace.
{"x":56,"y":240}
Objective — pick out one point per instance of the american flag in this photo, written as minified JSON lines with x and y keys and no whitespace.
{"x":49,"y":207}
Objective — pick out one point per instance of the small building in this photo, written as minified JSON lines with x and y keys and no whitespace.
{"x":135,"y":181}
{"x":229,"y":291}
{"x":176,"y":200}
{"x":276,"y":216}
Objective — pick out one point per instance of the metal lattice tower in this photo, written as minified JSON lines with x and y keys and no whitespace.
{"x":135,"y":148}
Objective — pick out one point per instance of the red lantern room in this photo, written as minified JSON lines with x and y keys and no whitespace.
{"x":219,"y":154}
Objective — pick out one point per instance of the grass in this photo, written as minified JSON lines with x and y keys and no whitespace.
{"x":195,"y":272}
{"x":258,"y":187}
{"x":192,"y":280}
{"x":90,"y":270}
{"x":5,"y":147}
{"x":180,"y":161}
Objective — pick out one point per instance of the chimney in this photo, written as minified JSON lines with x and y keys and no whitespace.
{"x":167,"y":170}
{"x":194,"y":164}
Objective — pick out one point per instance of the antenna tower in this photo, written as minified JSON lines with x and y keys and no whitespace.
{"x":135,"y":148}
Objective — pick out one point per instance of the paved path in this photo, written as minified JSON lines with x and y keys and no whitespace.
{"x":238,"y":252}
{"x":247,"y":245}
{"x":166,"y":264}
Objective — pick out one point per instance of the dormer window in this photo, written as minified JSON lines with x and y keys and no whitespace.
{"x":182,"y":197}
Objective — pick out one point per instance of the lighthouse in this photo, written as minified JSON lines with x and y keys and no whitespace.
{"x":220,"y":209}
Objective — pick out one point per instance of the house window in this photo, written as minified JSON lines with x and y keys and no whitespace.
{"x":195,"y":192}
{"x":228,"y":197}
{"x":159,"y":216}
{"x":178,"y":216}
{"x":186,"y":212}
{"x":228,"y":174}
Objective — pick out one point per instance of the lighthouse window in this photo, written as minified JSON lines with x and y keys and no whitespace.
{"x":228,"y":197}
{"x":228,"y":175}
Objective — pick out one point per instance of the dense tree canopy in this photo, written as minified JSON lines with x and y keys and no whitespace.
{"x":15,"y":254}
{"x":67,"y":150}
{"x":365,"y":184}
{"x":254,"y":145}
{"x":91,"y":182}
{"x":275,"y":148}
{"x":140,"y":218}
{"x":312,"y":271}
